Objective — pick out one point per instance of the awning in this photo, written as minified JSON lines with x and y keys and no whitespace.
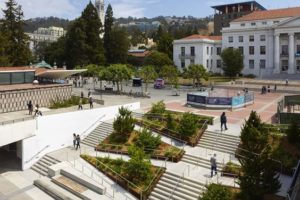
{"x":59,"y":74}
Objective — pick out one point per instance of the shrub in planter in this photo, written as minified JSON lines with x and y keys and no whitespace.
{"x":216,"y":192}
{"x":232,"y":168}
{"x":293,"y":133}
{"x":147,"y":140}
{"x":171,"y":124}
{"x":188,"y":124}
{"x":124,"y":123}
{"x":157,"y":108}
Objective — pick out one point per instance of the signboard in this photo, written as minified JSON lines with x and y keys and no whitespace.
{"x":249,"y":97}
{"x":222,"y":101}
{"x":238,"y":100}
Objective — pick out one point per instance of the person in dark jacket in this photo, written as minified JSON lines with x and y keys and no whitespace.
{"x":77,"y":142}
{"x":74,"y":140}
{"x":30,"y":107}
{"x":223,"y":121}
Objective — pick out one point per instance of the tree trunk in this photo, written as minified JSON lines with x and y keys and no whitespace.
{"x":146,"y":86}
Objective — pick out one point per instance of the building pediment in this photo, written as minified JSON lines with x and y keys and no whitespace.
{"x":292,"y":22}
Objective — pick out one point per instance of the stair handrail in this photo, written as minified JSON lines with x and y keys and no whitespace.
{"x":36,"y":155}
{"x":16,"y":120}
{"x":98,"y":120}
{"x":179,"y":180}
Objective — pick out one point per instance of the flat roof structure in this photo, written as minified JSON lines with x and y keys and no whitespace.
{"x":255,"y":3}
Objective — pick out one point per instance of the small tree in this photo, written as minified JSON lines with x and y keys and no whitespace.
{"x":188,"y":124}
{"x":124,"y":123}
{"x":170,"y":73}
{"x":148,"y":141}
{"x":196,"y":72}
{"x":139,"y":167}
{"x":233,"y":62}
{"x":158,"y":60}
{"x":216,"y":192}
{"x":147,"y":74}
{"x":293,"y":132}
{"x":171,"y":124}
{"x":158,"y":108}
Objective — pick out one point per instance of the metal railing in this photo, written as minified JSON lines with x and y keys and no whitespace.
{"x":37,"y":154}
{"x":16,"y":120}
{"x":179,"y":181}
{"x":97,"y":121}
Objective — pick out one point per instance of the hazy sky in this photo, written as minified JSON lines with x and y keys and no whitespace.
{"x":138,"y":8}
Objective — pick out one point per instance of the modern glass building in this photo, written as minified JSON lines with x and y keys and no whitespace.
{"x":16,"y":77}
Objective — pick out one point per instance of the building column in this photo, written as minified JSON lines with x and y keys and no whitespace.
{"x":291,"y":53}
{"x":277,"y":54}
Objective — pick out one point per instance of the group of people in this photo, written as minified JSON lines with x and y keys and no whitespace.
{"x":76,"y":141}
{"x":265,"y":89}
{"x":90,"y":99}
{"x":36,"y":109}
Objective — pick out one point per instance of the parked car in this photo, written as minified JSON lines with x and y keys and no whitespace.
{"x":159,"y":83}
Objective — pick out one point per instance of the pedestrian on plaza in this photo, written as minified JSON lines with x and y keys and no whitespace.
{"x":91,"y":102}
{"x":275,"y":88}
{"x":80,"y":104}
{"x":30,"y":107}
{"x":213,"y":165}
{"x":223,"y":121}
{"x":89,"y":93}
{"x":287,"y":82}
{"x":36,"y":110}
{"x":74,"y":140}
{"x":81,"y":95}
{"x":269,"y":89}
{"x":77,"y":142}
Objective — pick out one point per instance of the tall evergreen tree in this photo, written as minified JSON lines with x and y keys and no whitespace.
{"x":108,"y":26}
{"x":120,"y":45}
{"x":18,"y":42}
{"x":4,"y":58}
{"x":83,"y":43}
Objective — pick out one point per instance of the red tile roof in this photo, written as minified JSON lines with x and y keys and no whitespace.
{"x":15,"y":68}
{"x":270,"y":14}
{"x":140,"y":54}
{"x":196,"y":36}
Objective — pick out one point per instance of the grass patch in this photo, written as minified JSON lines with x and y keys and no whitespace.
{"x":231,"y":169}
{"x":73,"y":101}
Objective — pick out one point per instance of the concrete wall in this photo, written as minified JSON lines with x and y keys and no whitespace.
{"x":55,"y":131}
{"x":10,"y":133}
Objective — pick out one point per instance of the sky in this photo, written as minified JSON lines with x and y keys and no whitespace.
{"x":71,"y":9}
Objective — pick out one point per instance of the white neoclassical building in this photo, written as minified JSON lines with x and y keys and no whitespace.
{"x":269,"y":41}
{"x":198,"y":49}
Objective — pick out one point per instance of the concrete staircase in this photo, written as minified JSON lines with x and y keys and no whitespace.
{"x":43,"y":164}
{"x":98,"y":134}
{"x":198,"y":161}
{"x":221,"y":142}
{"x":188,"y":189}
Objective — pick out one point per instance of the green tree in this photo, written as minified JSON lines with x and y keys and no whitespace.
{"x":196,"y":73}
{"x":124,"y":123}
{"x":158,"y":60}
{"x":138,"y":168}
{"x":188,"y":124}
{"x":158,"y":108}
{"x":293,"y":133}
{"x":147,"y":74}
{"x":165,"y":44}
{"x":108,"y":36}
{"x":259,"y":175}
{"x":119,"y":46}
{"x":83,"y":43}
{"x":233,"y":62}
{"x":17,"y":46}
{"x":170,"y":73}
{"x":216,"y":192}
{"x":4,"y":57}
{"x":118,"y":73}
{"x":56,"y":52}
{"x":171,"y":124}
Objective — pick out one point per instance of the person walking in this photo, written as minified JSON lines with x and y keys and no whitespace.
{"x":89,"y":93}
{"x":81,"y":95}
{"x":213,"y":164}
{"x":80,"y":104}
{"x":91,"y":102}
{"x":287,"y":82}
{"x":223,"y":121}
{"x":74,"y":140}
{"x":30,"y":107}
{"x":275,"y":88}
{"x":77,"y":142}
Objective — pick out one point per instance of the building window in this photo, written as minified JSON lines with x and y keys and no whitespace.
{"x":251,"y":50}
{"x":207,"y":63}
{"x":298,"y":50}
{"x":243,"y":24}
{"x":264,"y":23}
{"x":251,"y":64}
{"x":219,"y":49}
{"x":192,"y":51}
{"x":284,"y":50}
{"x":211,"y":63}
{"x":298,"y":65}
{"x":253,"y":23}
{"x":230,"y":39}
{"x":262,"y":50}
{"x":192,"y":62}
{"x":241,"y":49}
{"x":207,"y":50}
{"x":241,"y":39}
{"x":251,"y":38}
{"x":263,"y":38}
{"x":284,"y":65}
{"x":212,"y":50}
{"x":183,"y":64}
{"x":262,"y":64}
{"x":182,"y":51}
{"x":275,"y":22}
{"x":219,"y":63}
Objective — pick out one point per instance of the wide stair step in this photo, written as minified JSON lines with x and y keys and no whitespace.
{"x":205,"y":163}
{"x":98,"y":134}
{"x":43,"y":164}
{"x":185,"y":189}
